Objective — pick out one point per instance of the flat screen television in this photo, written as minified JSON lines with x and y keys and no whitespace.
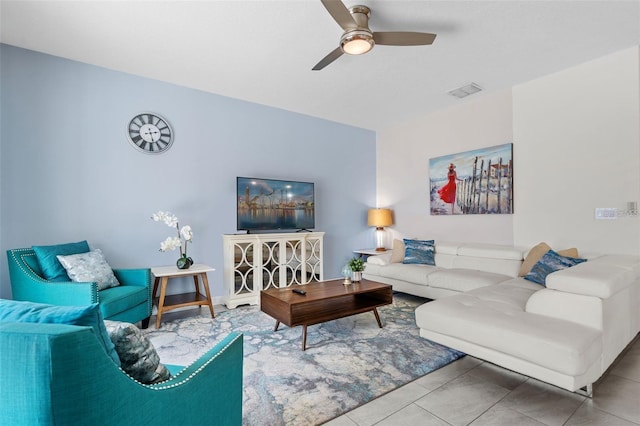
{"x":270,"y":204}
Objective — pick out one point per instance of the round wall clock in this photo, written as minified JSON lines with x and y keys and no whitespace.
{"x":150,"y":133}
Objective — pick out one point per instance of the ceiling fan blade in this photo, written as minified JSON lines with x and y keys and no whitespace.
{"x":340,"y":13}
{"x":399,"y":38}
{"x":335,"y":54}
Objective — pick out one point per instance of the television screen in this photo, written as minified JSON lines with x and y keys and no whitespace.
{"x":268,"y":204}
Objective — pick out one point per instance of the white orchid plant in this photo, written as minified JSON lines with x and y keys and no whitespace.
{"x":185,"y":235}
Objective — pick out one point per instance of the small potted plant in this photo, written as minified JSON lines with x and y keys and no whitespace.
{"x":357,"y":266}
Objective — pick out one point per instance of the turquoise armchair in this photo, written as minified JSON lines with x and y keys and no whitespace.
{"x":129,"y":302}
{"x":58,"y":374}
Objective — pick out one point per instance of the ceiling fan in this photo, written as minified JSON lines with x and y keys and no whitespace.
{"x":358,"y":38}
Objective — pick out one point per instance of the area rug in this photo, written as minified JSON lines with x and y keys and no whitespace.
{"x":348,"y":362}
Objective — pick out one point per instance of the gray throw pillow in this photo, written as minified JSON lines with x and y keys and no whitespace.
{"x":89,"y":267}
{"x":138,"y":357}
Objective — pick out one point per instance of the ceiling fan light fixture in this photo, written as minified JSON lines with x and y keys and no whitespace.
{"x":356,"y":42}
{"x":358,"y":39}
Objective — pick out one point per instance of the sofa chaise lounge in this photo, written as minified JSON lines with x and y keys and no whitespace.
{"x":566,"y":332}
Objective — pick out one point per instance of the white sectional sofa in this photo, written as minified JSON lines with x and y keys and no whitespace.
{"x":567,"y":333}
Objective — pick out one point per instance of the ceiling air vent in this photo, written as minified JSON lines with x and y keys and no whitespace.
{"x":464,"y":91}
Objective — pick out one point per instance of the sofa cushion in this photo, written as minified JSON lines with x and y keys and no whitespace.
{"x":419,"y":252}
{"x":626,"y":261}
{"x":492,"y":251}
{"x":447,"y":248}
{"x":88,"y":315}
{"x":515,"y":292}
{"x":51,"y":268}
{"x":536,"y":253}
{"x":497,"y":266}
{"x":464,"y":279}
{"x":599,"y":277}
{"x":579,"y":308}
{"x":494,"y":317}
{"x":446,"y":254}
{"x":89,"y":267}
{"x":413,"y":273}
{"x":550,"y":262}
{"x":119,"y":299}
{"x":138,"y":357}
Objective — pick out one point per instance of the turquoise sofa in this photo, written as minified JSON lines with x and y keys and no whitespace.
{"x":129,"y":302}
{"x":59,"y":374}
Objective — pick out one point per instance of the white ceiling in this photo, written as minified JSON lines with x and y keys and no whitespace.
{"x":263,"y":51}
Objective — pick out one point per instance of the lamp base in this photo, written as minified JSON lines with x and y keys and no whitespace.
{"x":380,"y":239}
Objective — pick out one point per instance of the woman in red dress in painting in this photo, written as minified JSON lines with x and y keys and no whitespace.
{"x":448,"y":192}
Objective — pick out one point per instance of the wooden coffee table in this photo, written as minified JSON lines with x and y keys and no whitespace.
{"x":323,"y":301}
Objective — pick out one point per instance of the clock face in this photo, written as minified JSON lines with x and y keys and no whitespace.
{"x":150,"y":133}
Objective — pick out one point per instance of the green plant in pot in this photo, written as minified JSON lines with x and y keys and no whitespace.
{"x":357,"y":266}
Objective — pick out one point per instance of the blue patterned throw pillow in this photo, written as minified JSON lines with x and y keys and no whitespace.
{"x":419,"y":252}
{"x":550,"y":262}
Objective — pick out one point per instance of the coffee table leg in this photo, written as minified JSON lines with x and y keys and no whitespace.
{"x":304,"y":337}
{"x":375,"y":312}
{"x":277,"y":325}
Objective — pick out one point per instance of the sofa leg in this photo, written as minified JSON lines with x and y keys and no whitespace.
{"x":145,"y":322}
{"x":586,"y":391}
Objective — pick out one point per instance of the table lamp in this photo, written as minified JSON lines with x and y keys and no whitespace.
{"x":380,"y":218}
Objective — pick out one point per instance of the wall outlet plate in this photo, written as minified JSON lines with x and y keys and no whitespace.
{"x":606,"y":213}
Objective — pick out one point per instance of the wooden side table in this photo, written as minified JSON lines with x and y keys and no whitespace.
{"x":167,"y":303}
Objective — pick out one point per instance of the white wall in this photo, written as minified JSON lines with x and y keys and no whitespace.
{"x":403,"y":168}
{"x":577,"y":147}
{"x":576,"y":139}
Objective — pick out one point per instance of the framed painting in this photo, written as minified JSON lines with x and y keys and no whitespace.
{"x":473,"y":182}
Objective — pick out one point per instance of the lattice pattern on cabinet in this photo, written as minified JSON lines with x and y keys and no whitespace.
{"x":243,"y":268}
{"x":254,"y":262}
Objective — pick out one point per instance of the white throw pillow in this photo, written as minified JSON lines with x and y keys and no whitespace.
{"x":89,"y":267}
{"x":397,"y":255}
{"x":380,"y":259}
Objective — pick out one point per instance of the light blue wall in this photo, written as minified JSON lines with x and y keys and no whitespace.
{"x":68,"y":172}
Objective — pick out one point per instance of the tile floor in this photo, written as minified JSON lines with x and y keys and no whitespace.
{"x":472,"y":392}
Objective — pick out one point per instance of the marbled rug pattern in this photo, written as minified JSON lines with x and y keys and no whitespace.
{"x":348,"y":362}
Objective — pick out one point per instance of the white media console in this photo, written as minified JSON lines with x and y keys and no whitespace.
{"x":255,"y":262}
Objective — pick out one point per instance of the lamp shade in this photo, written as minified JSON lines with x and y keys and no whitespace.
{"x":379,"y":218}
